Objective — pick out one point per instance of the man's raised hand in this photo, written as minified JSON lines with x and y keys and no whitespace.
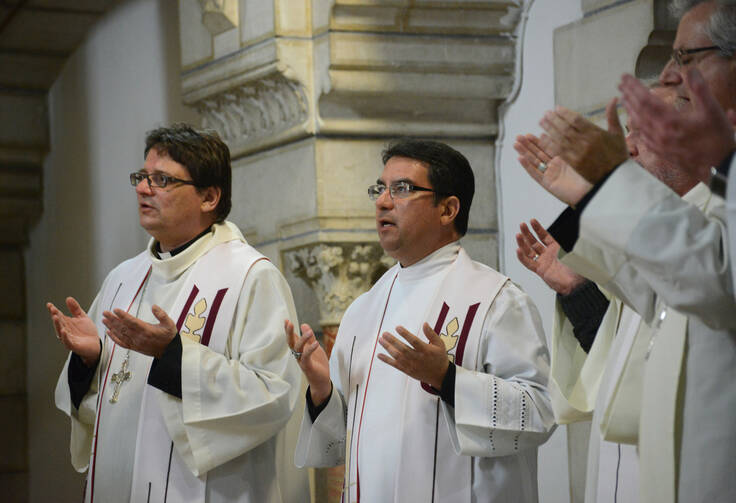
{"x":552,"y":173}
{"x":591,"y":151}
{"x":77,"y":332}
{"x":539,"y":255}
{"x":131,"y":333}
{"x":312,"y":360}
{"x":425,"y":362}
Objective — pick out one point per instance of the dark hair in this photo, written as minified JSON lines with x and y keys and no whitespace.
{"x":449,"y":172}
{"x":202,"y":153}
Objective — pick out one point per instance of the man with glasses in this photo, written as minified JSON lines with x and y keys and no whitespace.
{"x":179,"y":383}
{"x":436,"y":386}
{"x":664,"y":257}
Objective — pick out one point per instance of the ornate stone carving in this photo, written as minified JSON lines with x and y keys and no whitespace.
{"x":219,"y":15}
{"x":338,"y":273}
{"x":255,"y":111}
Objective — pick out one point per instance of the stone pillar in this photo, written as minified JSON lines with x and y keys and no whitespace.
{"x":23,"y":144}
{"x":307,"y":92}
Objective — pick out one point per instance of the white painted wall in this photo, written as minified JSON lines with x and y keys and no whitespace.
{"x":120,"y":83}
{"x":522,"y":199}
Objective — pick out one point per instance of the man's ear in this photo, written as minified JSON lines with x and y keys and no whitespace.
{"x":210,"y":199}
{"x":450,"y":208}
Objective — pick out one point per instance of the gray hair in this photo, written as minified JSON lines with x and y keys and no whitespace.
{"x":721,"y":27}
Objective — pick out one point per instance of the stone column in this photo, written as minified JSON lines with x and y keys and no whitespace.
{"x":23,"y":145}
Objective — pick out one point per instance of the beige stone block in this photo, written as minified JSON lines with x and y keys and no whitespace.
{"x":26,"y":124}
{"x":14,"y":486}
{"x":293,"y":18}
{"x":591,"y":54}
{"x":395,"y":51}
{"x":321,"y":11}
{"x":12,"y":358}
{"x":13,"y":433}
{"x":273,"y":188}
{"x":256,"y":20}
{"x":12,"y":284}
{"x":452,"y":19}
{"x":194,"y":38}
{"x":226,"y":43}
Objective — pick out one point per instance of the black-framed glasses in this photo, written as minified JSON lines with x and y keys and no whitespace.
{"x":679,"y":55}
{"x":160,"y":180}
{"x":398,"y":190}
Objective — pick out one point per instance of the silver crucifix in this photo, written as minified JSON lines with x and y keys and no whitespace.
{"x":120,"y":377}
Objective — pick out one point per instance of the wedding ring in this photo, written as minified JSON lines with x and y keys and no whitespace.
{"x":542,"y":166}
{"x":297,"y":354}
{"x":535,"y":258}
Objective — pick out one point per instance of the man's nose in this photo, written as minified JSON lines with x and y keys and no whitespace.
{"x":670,"y":75}
{"x":385,"y":200}
{"x":144,"y":187}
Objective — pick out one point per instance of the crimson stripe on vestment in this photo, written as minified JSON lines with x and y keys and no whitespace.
{"x":187,"y":305}
{"x":212,"y":316}
{"x":464,"y":334}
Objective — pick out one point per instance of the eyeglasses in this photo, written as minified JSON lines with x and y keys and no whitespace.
{"x":160,"y":180}
{"x":398,"y":190}
{"x":679,"y":55}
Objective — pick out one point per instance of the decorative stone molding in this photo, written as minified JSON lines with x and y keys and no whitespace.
{"x":338,"y":273}
{"x":256,"y":112}
{"x":419,"y":69}
{"x":219,"y":15}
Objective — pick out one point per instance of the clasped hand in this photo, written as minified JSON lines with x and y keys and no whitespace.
{"x":131,"y":333}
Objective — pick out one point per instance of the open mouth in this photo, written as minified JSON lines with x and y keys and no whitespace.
{"x":384,"y":223}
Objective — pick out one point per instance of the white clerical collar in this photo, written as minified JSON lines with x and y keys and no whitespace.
{"x":171,"y":266}
{"x":432,"y":263}
{"x":699,"y":195}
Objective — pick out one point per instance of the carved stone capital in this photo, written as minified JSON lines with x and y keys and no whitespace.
{"x":338,"y":273}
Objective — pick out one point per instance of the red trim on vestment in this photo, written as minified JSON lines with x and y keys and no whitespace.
{"x":460,"y":351}
{"x":212,"y":316}
{"x":187,"y":305}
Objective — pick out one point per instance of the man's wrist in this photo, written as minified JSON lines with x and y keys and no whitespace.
{"x":320,"y":394}
{"x":90,"y":361}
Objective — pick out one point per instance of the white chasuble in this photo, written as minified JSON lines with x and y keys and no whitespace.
{"x":223,"y":441}
{"x":205,"y":312}
{"x":398,"y":439}
{"x":667,"y":260}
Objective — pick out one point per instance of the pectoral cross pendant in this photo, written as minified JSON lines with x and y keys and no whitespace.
{"x":120,"y":377}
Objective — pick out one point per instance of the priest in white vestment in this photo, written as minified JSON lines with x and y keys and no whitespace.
{"x":665,"y":258}
{"x":597,"y":346}
{"x":179,"y":385}
{"x":436,"y":389}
